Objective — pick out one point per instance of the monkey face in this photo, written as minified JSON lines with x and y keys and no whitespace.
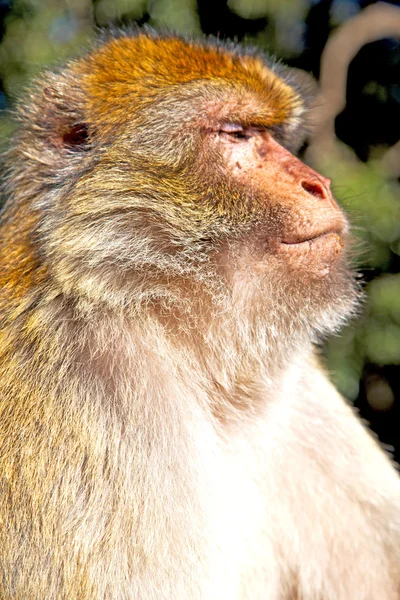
{"x":291,"y":245}
{"x":293,"y":213}
{"x":164,"y":164}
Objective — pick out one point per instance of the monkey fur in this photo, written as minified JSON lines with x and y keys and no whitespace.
{"x":166,"y":267}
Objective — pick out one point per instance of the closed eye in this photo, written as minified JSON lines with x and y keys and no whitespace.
{"x":234,"y":131}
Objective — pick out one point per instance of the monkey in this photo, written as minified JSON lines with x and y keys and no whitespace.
{"x":168,"y":268}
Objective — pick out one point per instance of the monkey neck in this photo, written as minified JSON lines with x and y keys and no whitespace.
{"x":224,"y":366}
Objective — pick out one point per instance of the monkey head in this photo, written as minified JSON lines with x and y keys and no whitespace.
{"x":160,"y":169}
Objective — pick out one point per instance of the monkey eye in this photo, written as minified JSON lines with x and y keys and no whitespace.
{"x":234,"y":131}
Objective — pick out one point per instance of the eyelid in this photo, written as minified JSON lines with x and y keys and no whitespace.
{"x":245,"y":130}
{"x":231,"y":128}
{"x":238,"y":132}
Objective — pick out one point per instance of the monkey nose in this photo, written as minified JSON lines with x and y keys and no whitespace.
{"x":320,"y":188}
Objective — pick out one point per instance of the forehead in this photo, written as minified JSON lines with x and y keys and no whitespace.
{"x":140,"y":68}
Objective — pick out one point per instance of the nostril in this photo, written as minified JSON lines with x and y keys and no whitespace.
{"x":314,"y":188}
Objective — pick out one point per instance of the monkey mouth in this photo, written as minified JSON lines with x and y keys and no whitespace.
{"x":306,"y":241}
{"x":325,"y":247}
{"x":335,"y":227}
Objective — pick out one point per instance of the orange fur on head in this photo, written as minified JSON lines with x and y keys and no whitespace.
{"x":128,"y":72}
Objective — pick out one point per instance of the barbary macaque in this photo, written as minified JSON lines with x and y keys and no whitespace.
{"x":167,"y":266}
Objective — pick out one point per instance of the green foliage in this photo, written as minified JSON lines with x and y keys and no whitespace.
{"x":176,"y":15}
{"x":254,"y":9}
{"x":38,"y":34}
{"x":108,"y":11}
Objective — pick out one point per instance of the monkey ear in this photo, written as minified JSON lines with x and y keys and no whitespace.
{"x":56,"y":115}
{"x":76,"y":137}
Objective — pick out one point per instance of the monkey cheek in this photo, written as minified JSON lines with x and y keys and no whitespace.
{"x":316,"y":257}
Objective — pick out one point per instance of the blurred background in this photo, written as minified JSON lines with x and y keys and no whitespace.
{"x":350,"y":49}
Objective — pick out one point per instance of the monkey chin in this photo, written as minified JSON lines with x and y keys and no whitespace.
{"x":318,"y":255}
{"x":305,"y":286}
{"x":322,"y":284}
